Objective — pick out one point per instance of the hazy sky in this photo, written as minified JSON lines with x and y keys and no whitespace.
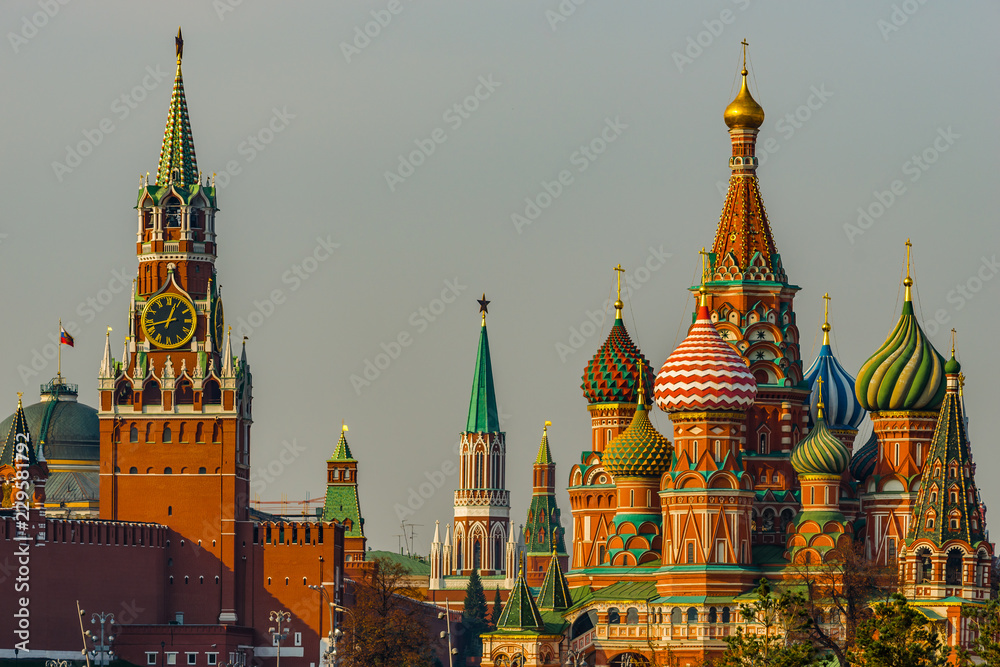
{"x":302,"y":116}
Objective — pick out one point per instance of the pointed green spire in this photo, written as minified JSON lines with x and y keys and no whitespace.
{"x":554,"y":594}
{"x":177,"y":159}
{"x":544,"y":454}
{"x":19,"y":427}
{"x":343,"y":451}
{"x":520,"y":613}
{"x":483,"y":403}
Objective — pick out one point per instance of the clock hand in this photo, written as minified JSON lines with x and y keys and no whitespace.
{"x":170,"y":317}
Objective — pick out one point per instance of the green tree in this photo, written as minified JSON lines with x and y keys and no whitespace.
{"x":772,"y":648}
{"x":984,"y":621}
{"x":387,"y":627}
{"x":497,"y":608}
{"x":474,"y":616}
{"x":842,"y":590}
{"x":897,"y":635}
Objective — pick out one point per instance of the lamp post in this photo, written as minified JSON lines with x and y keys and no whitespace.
{"x":277,"y":634}
{"x":331,"y":651}
{"x":102,"y":651}
{"x":354,"y":625}
{"x":83,"y":634}
{"x":446,"y":614}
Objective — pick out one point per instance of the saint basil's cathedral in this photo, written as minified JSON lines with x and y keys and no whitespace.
{"x":669,"y":533}
{"x":762,"y":477}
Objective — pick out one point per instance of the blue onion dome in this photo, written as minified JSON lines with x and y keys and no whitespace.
{"x":841,"y":406}
{"x":640,"y":450}
{"x":863,"y":460}
{"x":906,"y":373}
{"x":820,"y":452}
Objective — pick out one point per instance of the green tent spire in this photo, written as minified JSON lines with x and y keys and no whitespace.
{"x":343,"y":451}
{"x":544,"y":454}
{"x":18,"y":427}
{"x":554,"y":594}
{"x":177,"y":159}
{"x":520,"y":613}
{"x":483,"y":403}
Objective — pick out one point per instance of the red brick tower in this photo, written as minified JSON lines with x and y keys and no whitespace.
{"x":611,"y":386}
{"x":482,"y":502}
{"x":902,"y":386}
{"x":750,"y":302}
{"x":175,"y":413}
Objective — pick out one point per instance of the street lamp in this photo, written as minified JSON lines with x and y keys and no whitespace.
{"x":278,"y":635}
{"x":101,"y":648}
{"x":446,"y":614}
{"x":331,"y":650}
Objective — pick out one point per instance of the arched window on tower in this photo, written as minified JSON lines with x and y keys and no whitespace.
{"x":199,"y":432}
{"x":459,"y":555}
{"x":479,"y":470}
{"x":183,"y":393}
{"x":953,"y":567}
{"x":167,"y":435}
{"x":498,"y":552}
{"x":210,"y":393}
{"x":172,"y":213}
{"x":123,"y":393}
{"x":133,"y":433}
{"x":762,"y":443}
{"x":216,"y":432}
{"x":151,"y":393}
{"x":477,"y":554}
{"x":149,"y":432}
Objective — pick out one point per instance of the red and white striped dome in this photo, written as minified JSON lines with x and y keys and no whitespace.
{"x":704,"y":373}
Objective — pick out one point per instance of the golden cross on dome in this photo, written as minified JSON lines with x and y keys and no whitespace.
{"x":819,"y":402}
{"x":826,"y":319}
{"x":704,"y":275}
{"x":953,"y":343}
{"x":745,"y":45}
{"x":908,"y":281}
{"x":618,"y":302}
{"x":620,"y":271}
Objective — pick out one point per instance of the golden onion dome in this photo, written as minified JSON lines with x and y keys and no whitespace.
{"x":744,"y":111}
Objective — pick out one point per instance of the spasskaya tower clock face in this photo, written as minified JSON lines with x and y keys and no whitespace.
{"x":168,"y":321}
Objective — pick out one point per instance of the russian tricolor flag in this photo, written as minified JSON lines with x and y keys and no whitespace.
{"x":65,"y":338}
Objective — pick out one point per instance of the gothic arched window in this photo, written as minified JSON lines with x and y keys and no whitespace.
{"x":183,"y":394}
{"x":151,"y":393}
{"x":210,"y":393}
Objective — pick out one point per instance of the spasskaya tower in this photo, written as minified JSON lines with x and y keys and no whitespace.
{"x":175,"y":410}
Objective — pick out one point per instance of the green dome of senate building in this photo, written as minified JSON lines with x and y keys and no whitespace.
{"x":66,"y":434}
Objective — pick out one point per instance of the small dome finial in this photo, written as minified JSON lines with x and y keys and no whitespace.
{"x":703,"y":291}
{"x":618,"y":302}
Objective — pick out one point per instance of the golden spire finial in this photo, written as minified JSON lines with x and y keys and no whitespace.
{"x":482,"y":307}
{"x":19,"y":394}
{"x":642,"y":382}
{"x":826,"y":319}
{"x":819,"y":401}
{"x":953,"y":343}
{"x":618,"y":302}
{"x":745,"y":45}
{"x":545,"y":428}
{"x":704,"y":277}
{"x":343,"y":426}
{"x":908,"y":281}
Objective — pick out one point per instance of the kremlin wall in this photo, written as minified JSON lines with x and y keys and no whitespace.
{"x":668,"y":533}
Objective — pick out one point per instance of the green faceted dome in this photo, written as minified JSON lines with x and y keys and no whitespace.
{"x":906,"y":373}
{"x":640,"y":450}
{"x":820,"y":452}
{"x":61,"y":428}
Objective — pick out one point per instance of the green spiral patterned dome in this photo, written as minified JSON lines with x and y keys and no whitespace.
{"x":640,"y":450}
{"x":906,"y":373}
{"x":820,"y":452}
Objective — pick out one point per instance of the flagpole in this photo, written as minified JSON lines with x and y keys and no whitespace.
{"x":59,"y":363}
